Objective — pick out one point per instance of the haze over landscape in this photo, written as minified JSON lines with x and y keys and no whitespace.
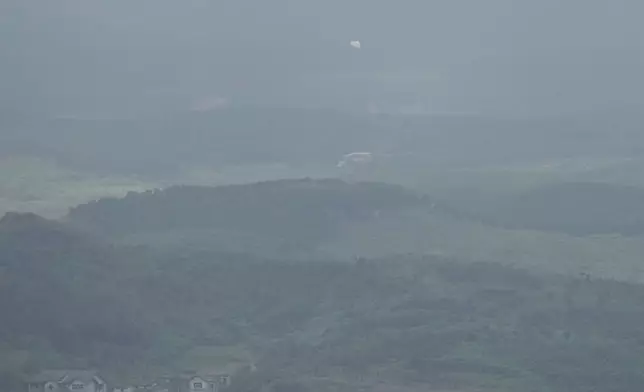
{"x":306,"y":196}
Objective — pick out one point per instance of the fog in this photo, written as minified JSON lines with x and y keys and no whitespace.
{"x":321,"y":195}
{"x":510,"y":57}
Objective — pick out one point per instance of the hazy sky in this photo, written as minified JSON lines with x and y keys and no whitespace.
{"x":74,"y":56}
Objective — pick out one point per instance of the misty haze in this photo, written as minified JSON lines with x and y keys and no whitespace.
{"x":321,"y":196}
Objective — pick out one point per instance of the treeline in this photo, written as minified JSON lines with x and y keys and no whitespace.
{"x":301,"y":212}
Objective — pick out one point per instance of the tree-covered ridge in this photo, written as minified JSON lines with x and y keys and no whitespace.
{"x":333,"y":219}
{"x":315,"y":208}
{"x":437,"y":321}
{"x":430,"y":321}
{"x":303,"y":210}
{"x":62,"y":299}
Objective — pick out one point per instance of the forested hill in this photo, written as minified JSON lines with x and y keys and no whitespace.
{"x":304,"y":210}
{"x":312,"y":210}
{"x":58,"y":302}
{"x":406,"y":323}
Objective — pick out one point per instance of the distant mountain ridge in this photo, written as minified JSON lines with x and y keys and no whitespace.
{"x":296,"y":212}
{"x":577,"y":208}
{"x":255,"y":134}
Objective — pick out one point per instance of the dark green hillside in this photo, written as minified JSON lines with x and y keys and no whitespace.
{"x":438,"y":323}
{"x":445,"y":324}
{"x":60,"y":299}
{"x":294,"y":213}
{"x":73,"y":301}
{"x":576,"y":208}
{"x":408,"y":322}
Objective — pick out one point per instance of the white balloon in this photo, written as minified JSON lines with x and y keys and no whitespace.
{"x":355,"y":44}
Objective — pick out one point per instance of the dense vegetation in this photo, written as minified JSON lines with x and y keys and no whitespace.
{"x":299,"y":219}
{"x":75,"y":299}
{"x":277,"y":216}
{"x":576,"y":208}
{"x":508,"y":257}
{"x":58,"y":297}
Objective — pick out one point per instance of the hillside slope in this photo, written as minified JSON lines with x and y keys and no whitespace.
{"x":277,"y":216}
{"x":405,"y":322}
{"x":576,"y":208}
{"x":332,"y":219}
{"x":58,"y":299}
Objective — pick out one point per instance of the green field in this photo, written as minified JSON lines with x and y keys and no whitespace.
{"x":33,"y":185}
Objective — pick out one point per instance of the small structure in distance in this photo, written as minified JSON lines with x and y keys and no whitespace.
{"x":356,"y":158}
{"x":66,"y":380}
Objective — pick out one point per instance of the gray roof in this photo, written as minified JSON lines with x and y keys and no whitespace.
{"x":205,"y":377}
{"x":66,"y":375}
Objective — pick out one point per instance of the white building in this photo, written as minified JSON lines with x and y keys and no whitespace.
{"x":200,"y":382}
{"x":66,"y":380}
